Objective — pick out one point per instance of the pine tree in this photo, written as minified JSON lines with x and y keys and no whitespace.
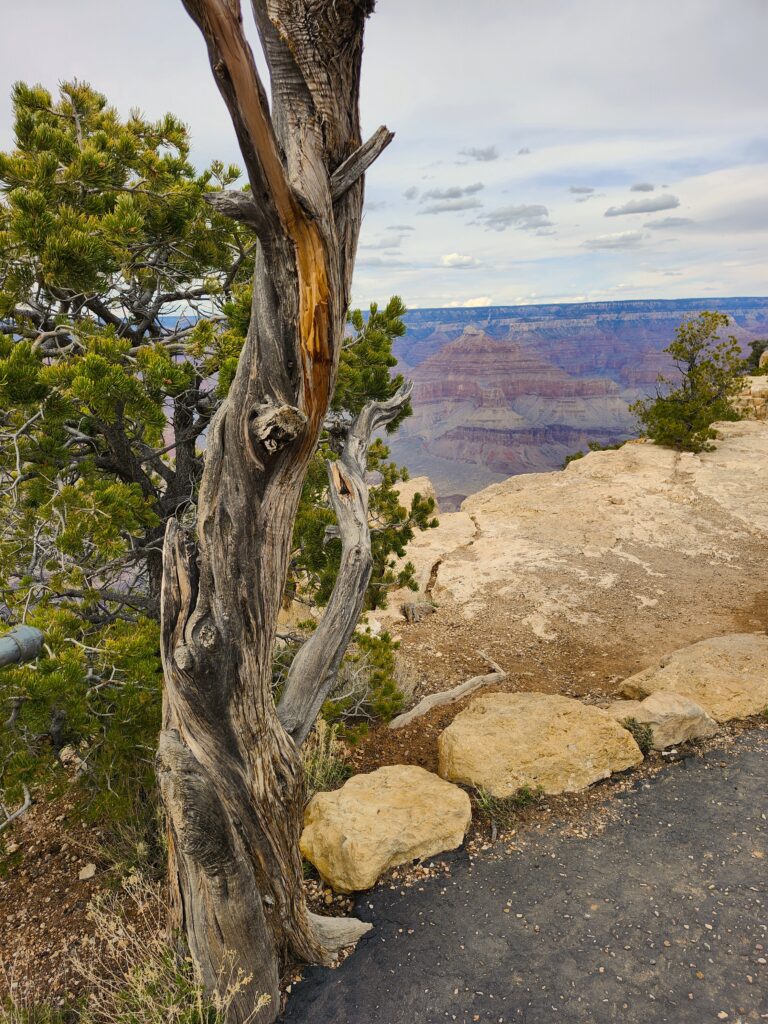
{"x":685,"y":407}
{"x":125,"y":300}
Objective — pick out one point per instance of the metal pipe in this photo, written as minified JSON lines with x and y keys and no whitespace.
{"x":23,"y":643}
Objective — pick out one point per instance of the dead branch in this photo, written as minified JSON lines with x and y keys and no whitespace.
{"x":436,"y":700}
{"x":347,"y":173}
{"x":313,"y":671}
{"x":11,"y":816}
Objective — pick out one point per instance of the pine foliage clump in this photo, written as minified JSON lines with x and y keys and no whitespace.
{"x":684,"y":408}
{"x":125,"y":300}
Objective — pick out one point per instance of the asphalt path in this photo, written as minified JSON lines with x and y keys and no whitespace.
{"x":660,"y":917}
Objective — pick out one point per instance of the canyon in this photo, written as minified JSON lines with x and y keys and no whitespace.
{"x":504,"y":390}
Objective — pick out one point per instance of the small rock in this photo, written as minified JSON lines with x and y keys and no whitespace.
{"x":415,"y":611}
{"x":672,"y":717}
{"x":87,"y":872}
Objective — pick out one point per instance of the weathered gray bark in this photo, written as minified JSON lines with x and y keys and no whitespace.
{"x":314,"y":668}
{"x":229,"y":772}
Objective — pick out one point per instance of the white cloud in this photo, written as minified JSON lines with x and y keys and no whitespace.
{"x":524,"y":217}
{"x":643,"y":206}
{"x":581,"y":190}
{"x":458,"y":261}
{"x":454,"y":192}
{"x":483,"y":155}
{"x":668,"y":222}
{"x":480,"y":300}
{"x":642,"y":186}
{"x":385,"y":242}
{"x":619,"y":240}
{"x":452,"y":206}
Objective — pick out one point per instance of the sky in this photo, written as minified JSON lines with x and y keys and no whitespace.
{"x":545,"y":150}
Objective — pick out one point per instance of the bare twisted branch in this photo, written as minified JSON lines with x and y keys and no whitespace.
{"x":314,"y":668}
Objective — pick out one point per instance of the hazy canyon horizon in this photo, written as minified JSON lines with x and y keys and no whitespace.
{"x":504,"y":390}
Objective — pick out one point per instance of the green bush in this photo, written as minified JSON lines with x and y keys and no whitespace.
{"x":366,"y":689}
{"x":501,"y":812}
{"x":683,"y":411}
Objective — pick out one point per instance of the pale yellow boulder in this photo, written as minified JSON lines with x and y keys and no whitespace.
{"x":504,"y":741}
{"x":673,"y":717}
{"x":376,"y":821}
{"x":726,"y":675}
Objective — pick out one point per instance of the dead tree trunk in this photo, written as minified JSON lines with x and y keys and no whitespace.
{"x":228,"y":764}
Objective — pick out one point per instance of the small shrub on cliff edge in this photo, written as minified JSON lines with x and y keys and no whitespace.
{"x":684,"y":409}
{"x":593,"y":446}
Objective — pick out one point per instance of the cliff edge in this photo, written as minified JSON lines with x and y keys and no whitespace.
{"x":571,"y":580}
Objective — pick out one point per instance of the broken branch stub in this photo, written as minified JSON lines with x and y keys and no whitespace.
{"x":435,"y":700}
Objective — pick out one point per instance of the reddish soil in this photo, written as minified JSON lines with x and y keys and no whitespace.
{"x":43,"y":904}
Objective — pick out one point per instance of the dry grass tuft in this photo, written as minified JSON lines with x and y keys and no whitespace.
{"x":132,"y":975}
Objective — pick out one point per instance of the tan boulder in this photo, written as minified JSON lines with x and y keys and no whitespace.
{"x":376,"y":821}
{"x":673,"y":718}
{"x":726,"y":675}
{"x":504,"y":741}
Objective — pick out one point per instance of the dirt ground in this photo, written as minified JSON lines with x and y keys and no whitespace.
{"x":44,"y":905}
{"x":588,"y":663}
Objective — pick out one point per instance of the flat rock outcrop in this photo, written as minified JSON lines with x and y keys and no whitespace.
{"x":597,"y":568}
{"x":726,"y":675}
{"x":378,"y":820}
{"x":673,"y":718}
{"x":505,"y":741}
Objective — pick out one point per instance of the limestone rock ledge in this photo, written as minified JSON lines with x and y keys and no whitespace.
{"x":752,"y":402}
{"x":726,"y":675}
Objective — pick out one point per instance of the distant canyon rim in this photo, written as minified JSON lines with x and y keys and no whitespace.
{"x":504,"y":390}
